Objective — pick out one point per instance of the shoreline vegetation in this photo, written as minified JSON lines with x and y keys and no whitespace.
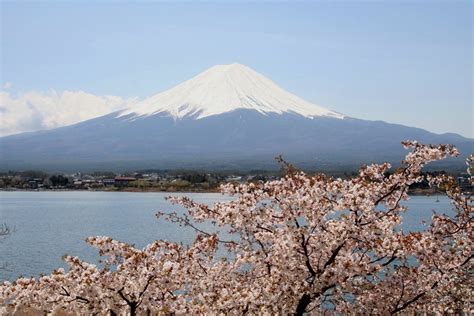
{"x":181,"y":181}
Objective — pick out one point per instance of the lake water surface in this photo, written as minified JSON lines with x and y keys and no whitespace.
{"x":50,"y":224}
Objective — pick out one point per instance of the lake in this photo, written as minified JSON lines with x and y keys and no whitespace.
{"x":50,"y":224}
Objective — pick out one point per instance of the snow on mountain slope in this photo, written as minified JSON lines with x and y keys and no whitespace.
{"x":225,"y":88}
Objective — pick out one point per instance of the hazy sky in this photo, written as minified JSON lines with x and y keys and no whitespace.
{"x":398,"y":61}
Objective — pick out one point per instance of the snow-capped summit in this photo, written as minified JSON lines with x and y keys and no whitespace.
{"x":225,"y":88}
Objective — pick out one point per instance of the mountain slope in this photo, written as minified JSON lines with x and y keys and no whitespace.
{"x":239,"y":139}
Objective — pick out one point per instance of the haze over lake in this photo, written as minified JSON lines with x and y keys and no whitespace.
{"x":51,"y":224}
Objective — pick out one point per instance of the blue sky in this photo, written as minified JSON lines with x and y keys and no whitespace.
{"x":400,"y":61}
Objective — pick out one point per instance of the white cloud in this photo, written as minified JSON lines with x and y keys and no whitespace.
{"x":32,"y":111}
{"x":7,"y":85}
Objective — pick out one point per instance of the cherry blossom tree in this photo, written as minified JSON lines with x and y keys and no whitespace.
{"x":301,"y":244}
{"x":5,"y":231}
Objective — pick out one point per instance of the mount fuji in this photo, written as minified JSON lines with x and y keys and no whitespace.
{"x":227,"y":117}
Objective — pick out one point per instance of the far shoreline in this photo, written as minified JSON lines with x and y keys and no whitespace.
{"x":414,"y":192}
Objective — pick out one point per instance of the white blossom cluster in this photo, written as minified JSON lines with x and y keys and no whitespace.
{"x":303,"y":244}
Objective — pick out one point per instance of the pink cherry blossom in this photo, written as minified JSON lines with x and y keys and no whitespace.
{"x":301,"y":244}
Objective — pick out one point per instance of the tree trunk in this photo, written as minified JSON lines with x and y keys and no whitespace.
{"x":133,"y":309}
{"x":302,"y":304}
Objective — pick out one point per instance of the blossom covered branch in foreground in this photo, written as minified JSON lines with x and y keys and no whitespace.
{"x":301,"y":244}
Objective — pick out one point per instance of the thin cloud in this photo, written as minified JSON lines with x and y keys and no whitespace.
{"x":7,"y":85}
{"x":33,"y":111}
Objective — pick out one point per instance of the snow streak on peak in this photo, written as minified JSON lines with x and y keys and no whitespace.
{"x":225,"y":88}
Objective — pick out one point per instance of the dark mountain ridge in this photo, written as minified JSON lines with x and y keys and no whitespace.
{"x":240,"y":139}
